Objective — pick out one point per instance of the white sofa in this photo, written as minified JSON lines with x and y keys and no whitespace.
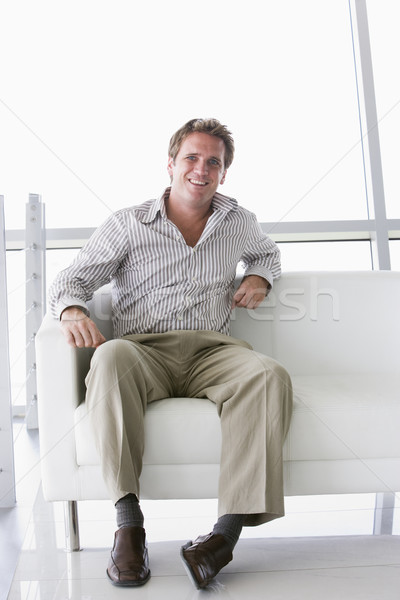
{"x":338,"y":335}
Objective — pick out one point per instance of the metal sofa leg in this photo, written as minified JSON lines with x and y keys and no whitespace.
{"x":384,"y":512}
{"x":71,"y":522}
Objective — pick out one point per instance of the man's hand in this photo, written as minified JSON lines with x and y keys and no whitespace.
{"x":251,"y":292}
{"x":79,"y":330}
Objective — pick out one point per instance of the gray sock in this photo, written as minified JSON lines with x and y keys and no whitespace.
{"x":129,"y":513}
{"x":230,"y":526}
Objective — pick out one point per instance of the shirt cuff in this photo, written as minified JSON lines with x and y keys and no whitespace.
{"x":261,"y":272}
{"x":68,"y":303}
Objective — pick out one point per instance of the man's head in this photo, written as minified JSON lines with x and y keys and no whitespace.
{"x":209,"y":126}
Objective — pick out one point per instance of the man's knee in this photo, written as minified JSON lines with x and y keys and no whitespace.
{"x":273,"y":368}
{"x":112,"y":352}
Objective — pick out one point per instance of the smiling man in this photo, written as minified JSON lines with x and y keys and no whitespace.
{"x":172,"y":262}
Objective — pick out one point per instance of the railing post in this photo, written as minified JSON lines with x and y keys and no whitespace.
{"x":7,"y":474}
{"x":35,"y":245}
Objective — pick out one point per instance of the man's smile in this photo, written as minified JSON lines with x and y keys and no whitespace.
{"x":197,"y":182}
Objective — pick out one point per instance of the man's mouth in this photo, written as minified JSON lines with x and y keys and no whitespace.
{"x":197,"y":182}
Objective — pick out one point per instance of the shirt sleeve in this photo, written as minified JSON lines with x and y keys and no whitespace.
{"x":261,"y":255}
{"x":94,"y":267}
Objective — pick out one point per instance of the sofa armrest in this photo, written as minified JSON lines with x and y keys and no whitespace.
{"x":61,"y":371}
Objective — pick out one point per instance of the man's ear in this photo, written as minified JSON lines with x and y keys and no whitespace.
{"x":169,"y":166}
{"x":223,"y":177}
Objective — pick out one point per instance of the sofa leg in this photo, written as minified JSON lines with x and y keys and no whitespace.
{"x":71,"y":522}
{"x":384,"y":512}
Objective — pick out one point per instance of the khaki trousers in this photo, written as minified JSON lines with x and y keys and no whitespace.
{"x":252,"y":393}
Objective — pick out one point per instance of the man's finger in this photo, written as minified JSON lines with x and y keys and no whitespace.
{"x":97,"y":337}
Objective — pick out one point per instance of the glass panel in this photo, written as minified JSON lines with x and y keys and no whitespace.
{"x":56,"y":260}
{"x":394,"y":247}
{"x":384,"y":19}
{"x":87,"y":123}
{"x":326,"y":256}
{"x":16,"y":284}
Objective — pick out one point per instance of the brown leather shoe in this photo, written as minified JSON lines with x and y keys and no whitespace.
{"x":129,"y":562}
{"x":205,"y":557}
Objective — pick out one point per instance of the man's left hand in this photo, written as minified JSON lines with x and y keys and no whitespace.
{"x":251,"y":292}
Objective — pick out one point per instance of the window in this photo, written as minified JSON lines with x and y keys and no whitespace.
{"x":394,"y":246}
{"x":326,"y":256}
{"x":384,"y":18}
{"x":87,"y":123}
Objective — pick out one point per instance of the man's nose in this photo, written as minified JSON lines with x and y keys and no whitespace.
{"x":201,"y":167}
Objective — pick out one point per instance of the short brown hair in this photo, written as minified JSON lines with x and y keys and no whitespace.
{"x":210,"y":126}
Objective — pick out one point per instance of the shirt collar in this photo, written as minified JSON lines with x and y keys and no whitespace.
{"x":147,"y":212}
{"x":225,"y":203}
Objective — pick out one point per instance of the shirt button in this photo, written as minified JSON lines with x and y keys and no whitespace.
{"x":180,"y":317}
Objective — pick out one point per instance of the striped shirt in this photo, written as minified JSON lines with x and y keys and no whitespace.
{"x":158,"y":282}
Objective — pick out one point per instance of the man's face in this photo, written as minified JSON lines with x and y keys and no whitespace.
{"x":198,"y":169}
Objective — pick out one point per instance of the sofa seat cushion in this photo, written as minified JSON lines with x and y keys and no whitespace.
{"x":177,"y":431}
{"x":344,"y":417}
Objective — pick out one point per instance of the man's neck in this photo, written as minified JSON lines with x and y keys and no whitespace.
{"x":190,"y":221}
{"x":182,"y":212}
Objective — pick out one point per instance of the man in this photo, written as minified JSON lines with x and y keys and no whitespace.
{"x":172,"y":263}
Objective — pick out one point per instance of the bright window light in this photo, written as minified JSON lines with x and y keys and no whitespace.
{"x":394,"y":246}
{"x":326,"y":256}
{"x":92,"y":92}
{"x":384,"y":18}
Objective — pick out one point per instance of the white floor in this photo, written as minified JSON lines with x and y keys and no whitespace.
{"x":323,"y":548}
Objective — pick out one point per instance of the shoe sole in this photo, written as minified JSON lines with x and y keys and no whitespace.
{"x":189,"y":569}
{"x":128,"y":583}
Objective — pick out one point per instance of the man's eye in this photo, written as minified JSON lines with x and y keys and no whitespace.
{"x":214,"y":162}
{"x":191,"y":157}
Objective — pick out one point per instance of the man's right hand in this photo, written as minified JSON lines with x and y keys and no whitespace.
{"x":79,"y":330}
